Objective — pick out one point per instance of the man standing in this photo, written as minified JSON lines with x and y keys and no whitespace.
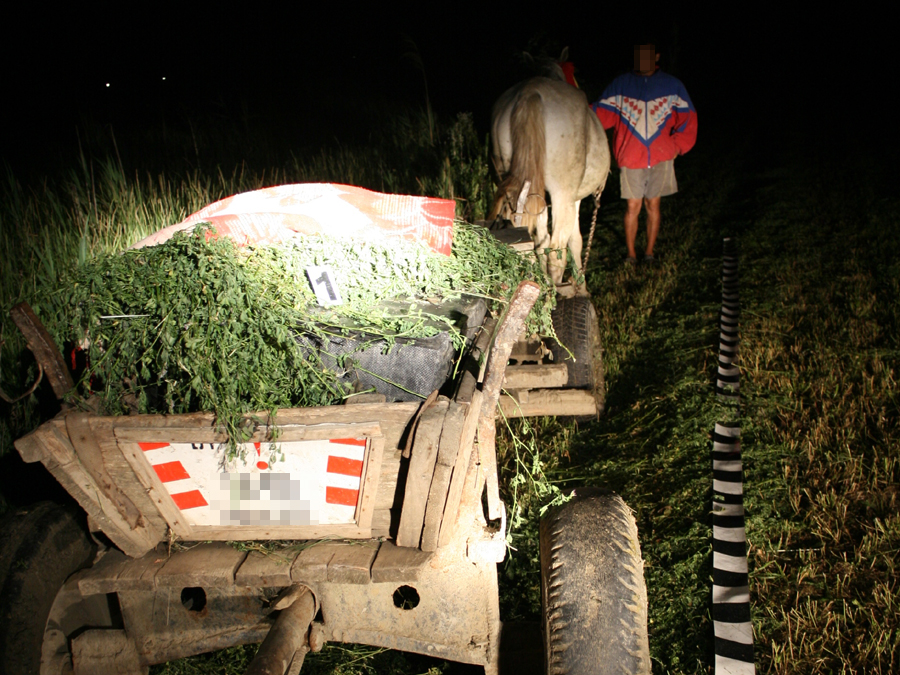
{"x":654,"y":121}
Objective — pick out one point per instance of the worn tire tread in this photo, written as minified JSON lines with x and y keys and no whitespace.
{"x":573,"y":327}
{"x":593,"y":591}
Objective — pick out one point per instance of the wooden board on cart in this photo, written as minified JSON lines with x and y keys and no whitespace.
{"x":103,"y":462}
{"x":534,"y":387}
{"x":125,"y":496}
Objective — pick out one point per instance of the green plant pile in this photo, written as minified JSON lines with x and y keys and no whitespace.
{"x":198,"y":323}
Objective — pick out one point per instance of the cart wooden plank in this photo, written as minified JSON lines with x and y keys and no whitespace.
{"x":368,"y":485}
{"x":510,"y":328}
{"x":312,"y":562}
{"x":272,"y":569}
{"x":384,"y":413}
{"x":434,"y":511}
{"x":458,"y":478}
{"x":554,"y":402}
{"x":62,"y":463}
{"x":538,"y":376}
{"x":398,"y":563}
{"x":205,"y":565}
{"x":125,"y":479}
{"x":352,"y":562}
{"x":81,"y":435}
{"x":285,"y":433}
{"x":451,"y":436}
{"x":421,"y":471}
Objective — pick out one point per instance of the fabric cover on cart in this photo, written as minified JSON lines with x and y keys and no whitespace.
{"x":275,"y":214}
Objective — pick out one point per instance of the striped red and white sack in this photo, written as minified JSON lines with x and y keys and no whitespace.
{"x":276,"y":214}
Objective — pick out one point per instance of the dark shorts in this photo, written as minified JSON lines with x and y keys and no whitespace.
{"x":657,"y":181}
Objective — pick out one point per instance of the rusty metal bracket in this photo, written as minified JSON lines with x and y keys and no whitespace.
{"x":287,"y":644}
{"x":9,"y":399}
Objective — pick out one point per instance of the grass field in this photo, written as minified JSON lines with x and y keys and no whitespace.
{"x":820,"y":301}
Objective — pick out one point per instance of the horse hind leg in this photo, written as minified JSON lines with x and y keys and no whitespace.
{"x":565,"y":229}
{"x":500,"y":206}
{"x":576,"y":248}
{"x":541,"y":237}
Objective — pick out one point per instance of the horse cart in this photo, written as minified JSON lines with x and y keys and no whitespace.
{"x":395,"y":545}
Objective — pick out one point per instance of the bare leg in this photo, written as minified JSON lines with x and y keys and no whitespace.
{"x":653,"y":220}
{"x":631,"y":225}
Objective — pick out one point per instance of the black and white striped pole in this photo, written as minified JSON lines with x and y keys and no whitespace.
{"x":731,"y":587}
{"x":732,"y":626}
{"x":728,"y":376}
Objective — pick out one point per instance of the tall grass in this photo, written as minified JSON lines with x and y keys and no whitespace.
{"x":822,"y":356}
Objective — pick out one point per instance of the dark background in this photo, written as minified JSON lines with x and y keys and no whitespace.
{"x":316,"y":73}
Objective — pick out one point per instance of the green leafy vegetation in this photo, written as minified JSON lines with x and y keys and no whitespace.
{"x":198,"y":323}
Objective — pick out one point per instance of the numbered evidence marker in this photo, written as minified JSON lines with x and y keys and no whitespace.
{"x":324,"y":286}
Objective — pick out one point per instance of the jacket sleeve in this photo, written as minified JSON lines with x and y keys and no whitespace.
{"x":684,"y":129}
{"x":607,"y":106}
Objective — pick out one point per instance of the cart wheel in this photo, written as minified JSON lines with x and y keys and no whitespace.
{"x":576,"y":325}
{"x":40,"y":547}
{"x":592,"y":587}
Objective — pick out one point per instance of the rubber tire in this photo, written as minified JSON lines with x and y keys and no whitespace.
{"x":575,"y":324}
{"x":40,"y":547}
{"x":594,"y":598}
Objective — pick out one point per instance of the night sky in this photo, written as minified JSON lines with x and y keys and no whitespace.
{"x":748,"y":69}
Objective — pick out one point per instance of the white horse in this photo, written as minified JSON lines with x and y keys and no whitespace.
{"x":545,"y":137}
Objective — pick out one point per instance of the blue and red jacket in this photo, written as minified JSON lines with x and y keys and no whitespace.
{"x":653,"y":117}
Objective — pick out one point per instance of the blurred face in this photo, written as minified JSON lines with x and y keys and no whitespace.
{"x":645,"y":58}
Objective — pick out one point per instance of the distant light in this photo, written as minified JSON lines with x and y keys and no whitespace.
{"x":164,"y":79}
{"x":107,"y":84}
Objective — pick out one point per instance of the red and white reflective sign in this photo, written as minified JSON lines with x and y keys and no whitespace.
{"x":272,"y":484}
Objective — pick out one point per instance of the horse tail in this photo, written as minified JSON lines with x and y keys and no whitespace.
{"x":529,"y":145}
